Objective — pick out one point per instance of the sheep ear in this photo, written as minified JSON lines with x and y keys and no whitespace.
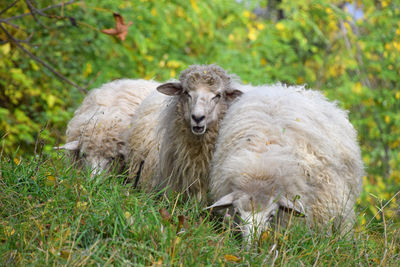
{"x":223,"y":202}
{"x":73,"y":145}
{"x":233,"y":94}
{"x":170,"y":89}
{"x":292,"y":207}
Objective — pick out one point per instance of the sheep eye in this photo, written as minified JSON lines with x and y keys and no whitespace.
{"x":216,"y":97}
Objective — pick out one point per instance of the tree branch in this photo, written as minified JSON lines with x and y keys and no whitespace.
{"x":10,"y":6}
{"x":44,"y":64}
{"x":33,"y":11}
{"x":41,"y":10}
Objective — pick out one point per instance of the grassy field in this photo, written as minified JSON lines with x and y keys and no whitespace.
{"x":53,"y":214}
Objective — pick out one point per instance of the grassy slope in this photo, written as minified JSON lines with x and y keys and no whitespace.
{"x":50,"y":213}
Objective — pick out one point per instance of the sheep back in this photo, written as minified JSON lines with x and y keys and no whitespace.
{"x":293,"y":141}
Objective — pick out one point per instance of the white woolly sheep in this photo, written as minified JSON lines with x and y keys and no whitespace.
{"x":95,"y":135}
{"x":188,"y":127}
{"x":143,"y":141}
{"x":278,"y":144}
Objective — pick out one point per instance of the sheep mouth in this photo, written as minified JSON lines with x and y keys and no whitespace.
{"x":198,"y":130}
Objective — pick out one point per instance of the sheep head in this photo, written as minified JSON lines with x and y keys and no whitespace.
{"x":257,"y":212}
{"x":204,"y":92}
{"x":86,"y":153}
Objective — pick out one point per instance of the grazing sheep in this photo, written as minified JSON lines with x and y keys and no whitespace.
{"x":189,"y":125}
{"x":95,"y":135}
{"x":286,"y":149}
{"x":143,"y":141}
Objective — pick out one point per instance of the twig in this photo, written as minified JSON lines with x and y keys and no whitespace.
{"x":316,"y":260}
{"x":384,"y":206}
{"x":59,"y":75}
{"x":10,"y":6}
{"x":382,"y":263}
{"x":11,"y":24}
{"x":41,"y":10}
{"x":33,"y":11}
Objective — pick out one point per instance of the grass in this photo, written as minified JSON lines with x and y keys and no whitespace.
{"x":53,"y":214}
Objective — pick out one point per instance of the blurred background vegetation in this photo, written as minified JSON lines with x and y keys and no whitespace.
{"x":50,"y":54}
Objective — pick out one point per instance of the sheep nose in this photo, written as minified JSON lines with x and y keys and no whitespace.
{"x":198,"y":119}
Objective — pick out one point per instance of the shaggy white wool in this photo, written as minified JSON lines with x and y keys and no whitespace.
{"x":279,"y":142}
{"x":143,"y":141}
{"x":95,"y":133}
{"x":189,"y":125}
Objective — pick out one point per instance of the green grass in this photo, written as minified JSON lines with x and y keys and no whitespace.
{"x":53,"y":214}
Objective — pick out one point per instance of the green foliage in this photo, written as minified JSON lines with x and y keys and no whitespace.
{"x":53,"y":214}
{"x":317,"y":43}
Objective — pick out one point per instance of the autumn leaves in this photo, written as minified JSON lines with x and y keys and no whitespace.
{"x":121,"y":28}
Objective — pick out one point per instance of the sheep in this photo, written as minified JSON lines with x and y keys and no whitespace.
{"x":188,"y":127}
{"x":286,"y":151}
{"x":95,"y":135}
{"x":144,"y":142}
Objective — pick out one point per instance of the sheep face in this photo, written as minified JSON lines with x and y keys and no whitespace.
{"x":256,"y":213}
{"x":204,"y":93}
{"x":201,"y":107}
{"x":97,"y":161}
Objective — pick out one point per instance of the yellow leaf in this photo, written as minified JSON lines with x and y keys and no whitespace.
{"x":194,"y":5}
{"x":263,"y":62}
{"x":328,"y":10}
{"x":229,"y":257}
{"x":153,"y":12}
{"x":65,"y":254}
{"x":180,"y":12}
{"x":88,"y":69}
{"x":264,"y":236}
{"x":149,"y":58}
{"x":280,"y":26}
{"x":260,"y":26}
{"x":81,"y":205}
{"x":5,"y":48}
{"x":9,"y":231}
{"x":17,"y":161}
{"x":172,"y":73}
{"x":246,"y":14}
{"x":347,"y":26}
{"x":51,"y":180}
{"x":127,"y":214}
{"x":173,"y":64}
{"x":34,"y":66}
{"x":357,"y":88}
{"x":299,"y":80}
{"x":387,"y":119}
{"x":51,"y":100}
{"x":252,"y":35}
{"x":397,"y":96}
